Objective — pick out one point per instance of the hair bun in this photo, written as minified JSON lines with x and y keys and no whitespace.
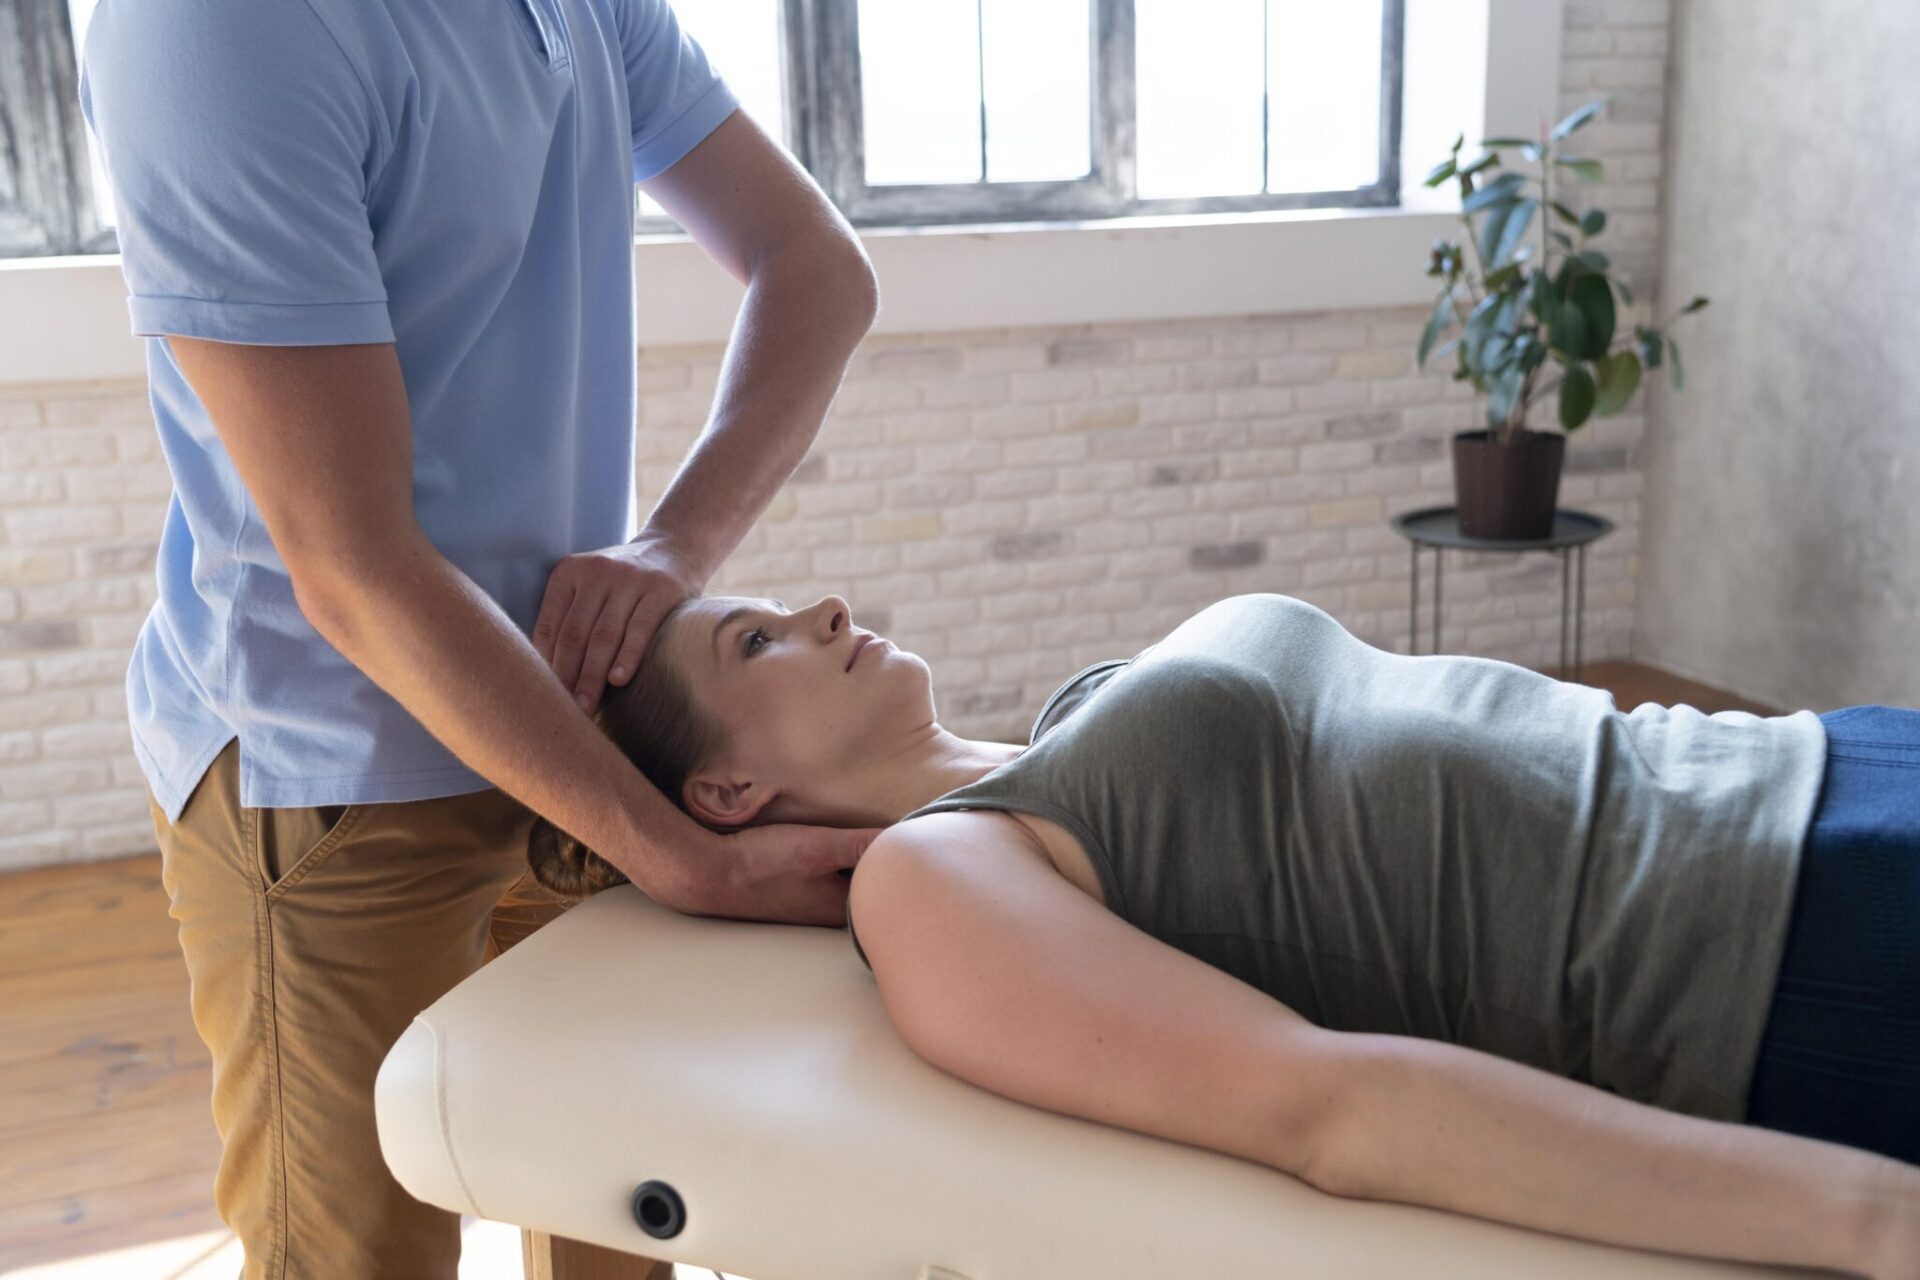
{"x":565,"y":865}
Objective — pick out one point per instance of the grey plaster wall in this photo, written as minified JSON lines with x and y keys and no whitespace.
{"x":1781,"y":552}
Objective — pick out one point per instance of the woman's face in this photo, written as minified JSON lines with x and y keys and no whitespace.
{"x":800,"y":711}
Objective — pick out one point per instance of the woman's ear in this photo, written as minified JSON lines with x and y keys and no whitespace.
{"x":714,"y":798}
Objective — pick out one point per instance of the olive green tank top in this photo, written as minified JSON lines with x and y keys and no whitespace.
{"x":1450,"y":847}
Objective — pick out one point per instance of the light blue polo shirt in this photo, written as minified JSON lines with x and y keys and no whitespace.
{"x":454,"y":179}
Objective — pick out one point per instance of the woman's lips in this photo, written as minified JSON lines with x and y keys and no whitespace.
{"x":860,"y":647}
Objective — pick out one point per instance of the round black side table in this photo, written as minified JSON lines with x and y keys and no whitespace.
{"x":1439,"y":527}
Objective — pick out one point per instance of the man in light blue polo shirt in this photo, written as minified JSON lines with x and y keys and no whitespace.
{"x":382,"y":253}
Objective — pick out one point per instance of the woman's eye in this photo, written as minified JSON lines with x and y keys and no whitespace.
{"x":751,"y":647}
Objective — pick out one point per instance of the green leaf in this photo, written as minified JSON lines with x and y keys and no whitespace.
{"x":1458,"y":142}
{"x":1562,"y":239}
{"x":1485,"y":161}
{"x":1619,"y":378}
{"x":1679,"y":376}
{"x":1626,"y":294}
{"x":1441,"y":172}
{"x":1536,"y":355}
{"x":1594,"y":222}
{"x":1577,"y":119}
{"x":1651,"y":345}
{"x":1503,"y":396}
{"x":1501,"y":188}
{"x":1568,"y":333}
{"x":1576,"y":397}
{"x":1539,"y":295}
{"x":1500,"y":277}
{"x":1505,"y":313}
{"x":1513,"y":228}
{"x":1496,"y":353}
{"x":1693,"y":306}
{"x":1505,"y":142}
{"x":1566,"y":214}
{"x":1594,"y":260}
{"x":1595,"y":301}
{"x":1585,"y":170}
{"x":1491,"y":228}
{"x":1436,"y":323}
{"x":1482,"y":314}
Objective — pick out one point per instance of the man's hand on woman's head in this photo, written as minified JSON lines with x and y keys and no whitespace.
{"x":602,"y":608}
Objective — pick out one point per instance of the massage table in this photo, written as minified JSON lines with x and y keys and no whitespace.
{"x":731,"y":1094}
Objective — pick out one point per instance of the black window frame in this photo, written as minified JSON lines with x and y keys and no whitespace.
{"x":821,"y":68}
{"x":48,"y":205}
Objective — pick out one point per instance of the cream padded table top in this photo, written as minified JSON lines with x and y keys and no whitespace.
{"x":752,"y":1068}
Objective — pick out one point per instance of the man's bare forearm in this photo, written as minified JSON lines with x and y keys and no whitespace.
{"x":804,"y":313}
{"x":1431,"y":1123}
{"x":445,"y":650}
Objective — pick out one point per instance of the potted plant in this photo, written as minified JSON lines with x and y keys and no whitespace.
{"x":1520,"y":306}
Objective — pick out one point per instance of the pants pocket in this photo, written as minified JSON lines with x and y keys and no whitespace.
{"x":289,"y":844}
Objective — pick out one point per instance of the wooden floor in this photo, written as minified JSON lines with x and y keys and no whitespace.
{"x":106,"y":1136}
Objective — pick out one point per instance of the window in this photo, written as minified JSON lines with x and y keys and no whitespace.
{"x":940,"y":111}
{"x":53,"y":189}
{"x":915,"y":112}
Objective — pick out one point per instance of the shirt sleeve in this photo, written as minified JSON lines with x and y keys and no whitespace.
{"x":240,"y":143}
{"x":675,"y":96}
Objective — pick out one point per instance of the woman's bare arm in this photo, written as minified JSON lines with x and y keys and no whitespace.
{"x":996,"y":969}
{"x":1431,"y":1123}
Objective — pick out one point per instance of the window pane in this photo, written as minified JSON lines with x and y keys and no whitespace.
{"x":1039,"y":119}
{"x":79,"y":12}
{"x":920,"y":90}
{"x":742,"y":40}
{"x":1198,"y":80}
{"x":1323,"y":78}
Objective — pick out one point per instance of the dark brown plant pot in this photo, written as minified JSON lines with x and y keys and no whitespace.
{"x":1507,"y":491}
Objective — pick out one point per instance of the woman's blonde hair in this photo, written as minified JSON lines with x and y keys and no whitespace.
{"x":654,"y":719}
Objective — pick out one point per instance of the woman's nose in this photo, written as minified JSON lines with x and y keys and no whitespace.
{"x":835,"y":617}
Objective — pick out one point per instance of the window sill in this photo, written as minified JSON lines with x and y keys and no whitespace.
{"x":1013,"y":275}
{"x":65,"y":318}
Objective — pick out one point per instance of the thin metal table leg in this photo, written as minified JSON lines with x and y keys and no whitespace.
{"x":1436,"y":599}
{"x":1413,"y":605}
{"x":1566,"y":567}
{"x":1580,"y":616}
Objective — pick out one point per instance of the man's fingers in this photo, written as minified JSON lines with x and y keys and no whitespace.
{"x":574,"y":632}
{"x":553,"y":611}
{"x":607,"y":632}
{"x":844,"y":852}
{"x":640,"y":632}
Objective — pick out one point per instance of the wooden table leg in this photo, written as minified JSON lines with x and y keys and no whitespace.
{"x":548,"y":1257}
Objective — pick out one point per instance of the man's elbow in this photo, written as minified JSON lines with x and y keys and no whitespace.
{"x":839,"y":278}
{"x":866,"y":282}
{"x":860,"y":286}
{"x":325,"y":596}
{"x":331,"y":586}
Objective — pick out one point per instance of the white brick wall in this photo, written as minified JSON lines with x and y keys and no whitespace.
{"x":1011,"y":505}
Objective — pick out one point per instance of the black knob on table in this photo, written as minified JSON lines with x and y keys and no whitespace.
{"x":658,"y":1210}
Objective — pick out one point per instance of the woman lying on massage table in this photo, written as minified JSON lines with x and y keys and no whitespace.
{"x":1440,"y":930}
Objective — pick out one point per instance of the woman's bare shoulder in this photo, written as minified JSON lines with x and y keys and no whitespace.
{"x":958,"y":833}
{"x":960,"y":829}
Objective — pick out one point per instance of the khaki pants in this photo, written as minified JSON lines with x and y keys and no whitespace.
{"x":312,"y":937}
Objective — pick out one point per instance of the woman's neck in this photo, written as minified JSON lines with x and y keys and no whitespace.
{"x":908,"y":776}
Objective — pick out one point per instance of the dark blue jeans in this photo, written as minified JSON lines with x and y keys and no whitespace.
{"x":1840,"y":1057}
